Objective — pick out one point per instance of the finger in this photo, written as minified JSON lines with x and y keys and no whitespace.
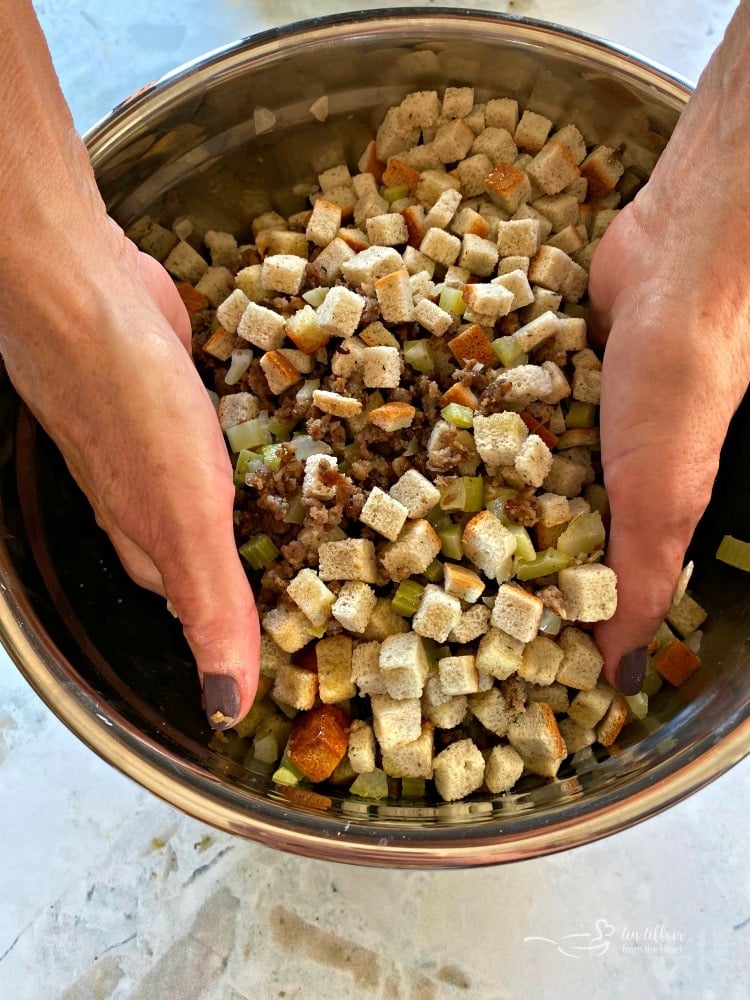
{"x":167,"y":297}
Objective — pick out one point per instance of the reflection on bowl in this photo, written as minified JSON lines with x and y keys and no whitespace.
{"x":105,"y":656}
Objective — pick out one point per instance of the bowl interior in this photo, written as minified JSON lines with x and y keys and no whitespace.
{"x":187,"y":146}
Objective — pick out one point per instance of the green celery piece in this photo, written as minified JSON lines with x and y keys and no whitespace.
{"x":638,"y":705}
{"x":506,"y":350}
{"x":317,"y":631}
{"x":652,"y":682}
{"x":450,"y":541}
{"x":585,"y":533}
{"x":550,"y":623}
{"x":417,"y":353}
{"x":295,"y":513}
{"x":259,"y":551}
{"x":438,"y":518}
{"x":248,"y":435}
{"x":270,"y":453}
{"x":525,"y":551}
{"x":395,"y":193}
{"x":434,"y":571}
{"x":465,"y":494}
{"x":288,"y":773}
{"x":407,"y":597}
{"x":315,"y":296}
{"x":734,"y":552}
{"x":458,"y":415}
{"x":372,"y":785}
{"x":546,"y":563}
{"x":281,"y":430}
{"x":412,"y":788}
{"x":580,"y":415}
{"x":452,"y":301}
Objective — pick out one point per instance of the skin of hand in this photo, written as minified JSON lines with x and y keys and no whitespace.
{"x":99,"y":348}
{"x":670,"y":296}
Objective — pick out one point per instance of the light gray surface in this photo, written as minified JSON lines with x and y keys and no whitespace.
{"x":108,"y":893}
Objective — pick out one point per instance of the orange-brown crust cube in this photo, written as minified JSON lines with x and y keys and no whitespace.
{"x":414,"y":220}
{"x":461,"y":394}
{"x":397,"y":173}
{"x":472,"y":345}
{"x":192,"y":299}
{"x":319,"y":740}
{"x":676,"y":662}
{"x":392,"y":416}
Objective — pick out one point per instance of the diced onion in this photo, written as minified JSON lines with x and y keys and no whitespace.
{"x":304,"y":446}
{"x":238,"y":366}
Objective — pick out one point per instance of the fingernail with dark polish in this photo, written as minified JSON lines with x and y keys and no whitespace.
{"x":221,"y":698}
{"x":631,"y":670}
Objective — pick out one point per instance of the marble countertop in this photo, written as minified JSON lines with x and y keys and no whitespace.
{"x":107,"y":893}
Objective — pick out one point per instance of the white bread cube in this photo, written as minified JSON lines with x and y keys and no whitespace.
{"x":361,"y":747}
{"x":571,"y":137}
{"x":518,"y":238}
{"x":354,"y":606}
{"x":305,"y":331}
{"x":544,"y":301}
{"x":576,"y":737}
{"x":237,"y":408}
{"x":458,"y":770}
{"x":395,"y":297}
{"x":446,"y":714}
{"x":295,"y":687}
{"x":432,"y":184}
{"x":327,"y":266}
{"x":370,"y":264}
{"x":366,"y":673}
{"x":260,"y":326}
{"x":553,"y":168}
{"x":436,"y":615}
{"x":368,"y":206}
{"x":492,"y":710}
{"x":440,"y":246}
{"x":311,"y":596}
{"x":349,"y":559}
{"x":589,"y":592}
{"x":340,"y":312}
{"x":384,"y":621}
{"x":487,"y":303}
{"x":336,"y":404}
{"x":324,"y":223}
{"x":282,"y":242}
{"x":376,"y":335}
{"x":396,"y":132}
{"x":531,"y":335}
{"x":473,"y":623}
{"x":333,"y":177}
{"x":443,"y":209}
{"x":550,"y":268}
{"x":490,"y":546}
{"x":533,"y":461}
{"x":271,"y":656}
{"x":471,"y":173}
{"x":532,"y":131}
{"x":559,"y":387}
{"x":314,"y":481}
{"x":516,"y":282}
{"x":569,"y":240}
{"x":283,"y":272}
{"x":540,"y":661}
{"x":452,"y":141}
{"x":586,"y":385}
{"x":383,"y":514}
{"x":422,"y":287}
{"x":462,"y":582}
{"x":396,"y":721}
{"x":458,"y":674}
{"x":479,"y":256}
{"x":412,"y":552}
{"x":499,"y":654}
{"x":503,"y":769}
{"x":581,"y":661}
{"x":334,"y":656}
{"x":536,"y":737}
{"x":467,"y":220}
{"x":268,"y":220}
{"x":589,"y":707}
{"x":528,"y":384}
{"x":502,"y":112}
{"x":456,"y":277}
{"x":571,"y":333}
{"x":497,"y":144}
{"x":349,"y":358}
{"x":560,"y":210}
{"x":231,"y":310}
{"x":403,"y":665}
{"x":686,"y":615}
{"x":185,"y":263}
{"x":555,"y":695}
{"x":517,"y":612}
{"x":412,"y":760}
{"x":416,"y":493}
{"x":499,"y":437}
{"x":553,"y":509}
{"x":387,"y":230}
{"x":216,"y":284}
{"x":381,"y":367}
{"x":248,"y":279}
{"x":458,"y":102}
{"x":416,"y":262}
{"x":434,"y":319}
{"x":288,"y":627}
{"x":565,"y":477}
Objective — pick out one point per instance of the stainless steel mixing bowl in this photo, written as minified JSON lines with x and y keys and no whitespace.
{"x":109,"y":660}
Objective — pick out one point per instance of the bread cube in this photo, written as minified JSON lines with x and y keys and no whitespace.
{"x":502,"y":112}
{"x":471,"y":346}
{"x":304,"y":330}
{"x":295,"y":686}
{"x":260,"y":326}
{"x":553,"y":509}
{"x":565,"y":477}
{"x":499,"y":437}
{"x":587,"y":385}
{"x":376,"y":335}
{"x":271,"y":656}
{"x":395,"y":297}
{"x":589,"y":707}
{"x":220,"y":344}
{"x":589,"y":592}
{"x":336,"y":404}
{"x":185,"y":263}
{"x":534,"y":333}
{"x":516,"y":282}
{"x":615,"y":718}
{"x":383,"y":514}
{"x":576,"y":737}
{"x":555,"y":695}
{"x":366,"y":674}
{"x":532,"y":131}
{"x":311,"y":596}
{"x":412,"y":760}
{"x":396,"y":721}
{"x":384,"y":621}
{"x":388,"y":230}
{"x":503,"y":769}
{"x":490,"y":546}
{"x":536,"y":737}
{"x":412,"y":552}
{"x":381,"y":367}
{"x":499,"y":654}
{"x":463,"y":583}
{"x":473,"y":623}
{"x":686,"y":616}
{"x":340,"y":312}
{"x":452,"y":141}
{"x":458,"y":770}
{"x":324,"y":223}
{"x":517,"y":612}
{"x":327,"y":267}
{"x":361,"y":747}
{"x":434,"y":319}
{"x":349,"y":559}
{"x":489,"y":301}
{"x":471,"y":173}
{"x":334,"y":657}
{"x":467,"y":220}
{"x":528,"y":384}
{"x":540,"y":661}
{"x":415,"y":492}
{"x":440,"y":246}
{"x":279,"y":371}
{"x":602,"y":168}
{"x":458,"y":674}
{"x":315,"y":482}
{"x":437,"y":614}
{"x":403,"y":665}
{"x":236,"y":409}
{"x":533,"y":461}
{"x":492,"y":710}
{"x":497,"y":144}
{"x":370,"y":264}
{"x":443,"y":209}
{"x":479,"y":256}
{"x":288,"y":627}
{"x":518,"y":238}
{"x":432,"y":184}
{"x":416,"y":262}
{"x":392,"y":416}
{"x":283,"y":272}
{"x":446,"y":714}
{"x":553,"y":168}
{"x":354,"y":606}
{"x":507,"y":186}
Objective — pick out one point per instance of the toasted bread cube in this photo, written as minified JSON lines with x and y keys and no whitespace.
{"x":503,"y":769}
{"x":589,"y":592}
{"x":304,"y":330}
{"x":462,"y":582}
{"x":492,"y":710}
{"x":361,"y":747}
{"x":479,"y":256}
{"x":507,"y":186}
{"x":452,"y":141}
{"x":473,"y":623}
{"x":555,"y":695}
{"x":349,"y":559}
{"x":536,"y":737}
{"x":381,"y":367}
{"x":565,"y":477}
{"x":516,"y":282}
{"x":376,"y":335}
{"x":319,"y":740}
{"x":609,"y":728}
{"x":458,"y":674}
{"x":324,"y":223}
{"x":288,"y":627}
{"x":554,"y":509}
{"x":440,"y":246}
{"x":499,"y":654}
{"x":589,"y":707}
{"x":461,"y":394}
{"x":295,"y":686}
{"x":532,"y":131}
{"x":550,"y":268}
{"x":686,"y":616}
{"x":314,"y":483}
{"x":383,"y":514}
{"x":490,"y":301}
{"x":283,"y":272}
{"x":437,"y":614}
{"x":311,"y":596}
{"x":327,"y":266}
{"x":412,"y":760}
{"x":518,"y":238}
{"x":220,"y":344}
{"x":458,"y":770}
{"x":384,"y":621}
{"x":416,"y":493}
{"x":576,"y":737}
{"x":676,"y":662}
{"x":443,"y":209}
{"x":602,"y":168}
{"x":517,"y":612}
{"x":569,"y":240}
{"x":553,"y":168}
{"x":369,"y":265}
{"x":540,"y":661}
{"x":354,"y":606}
{"x":236,"y":409}
{"x":395,"y":298}
{"x":340,"y":312}
{"x":185,"y":263}
{"x":366,"y":674}
{"x":387,"y":230}
{"x":533,"y":461}
{"x":412,"y":552}
{"x":334,"y":656}
{"x":581,"y":661}
{"x":414,"y":216}
{"x":434,"y":319}
{"x":471,"y":345}
{"x":392,"y":416}
{"x":260,"y":326}
{"x":192,"y":298}
{"x":279,"y":371}
{"x":396,"y":721}
{"x":490,"y":546}
{"x":336,"y":404}
{"x":397,"y":173}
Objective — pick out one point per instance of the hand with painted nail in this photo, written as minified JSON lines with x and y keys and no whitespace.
{"x":100,"y":351}
{"x":670,"y":295}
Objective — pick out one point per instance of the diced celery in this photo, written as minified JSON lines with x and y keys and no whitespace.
{"x":438,"y":518}
{"x":596,"y":497}
{"x":506,"y":350}
{"x":465,"y":494}
{"x":249,"y":434}
{"x":406,"y":599}
{"x":270,"y":453}
{"x":295,"y":512}
{"x":434,"y":571}
{"x":258,"y":551}
{"x":317,"y":631}
{"x":371,"y":785}
{"x":580,"y":415}
{"x":247,"y":461}
{"x":450,"y":541}
{"x":288,"y":773}
{"x":638,"y":705}
{"x":417,"y":353}
{"x":412,"y":788}
{"x":652,"y":681}
{"x":458,"y":415}
{"x":315,"y":296}
{"x":452,"y":301}
{"x":525,"y":550}
{"x":496,"y":507}
{"x":375,"y":399}
{"x":395,"y":193}
{"x":550,"y":623}
{"x":546,"y":563}
{"x":281,"y":430}
{"x":734,"y":552}
{"x":585,"y":533}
